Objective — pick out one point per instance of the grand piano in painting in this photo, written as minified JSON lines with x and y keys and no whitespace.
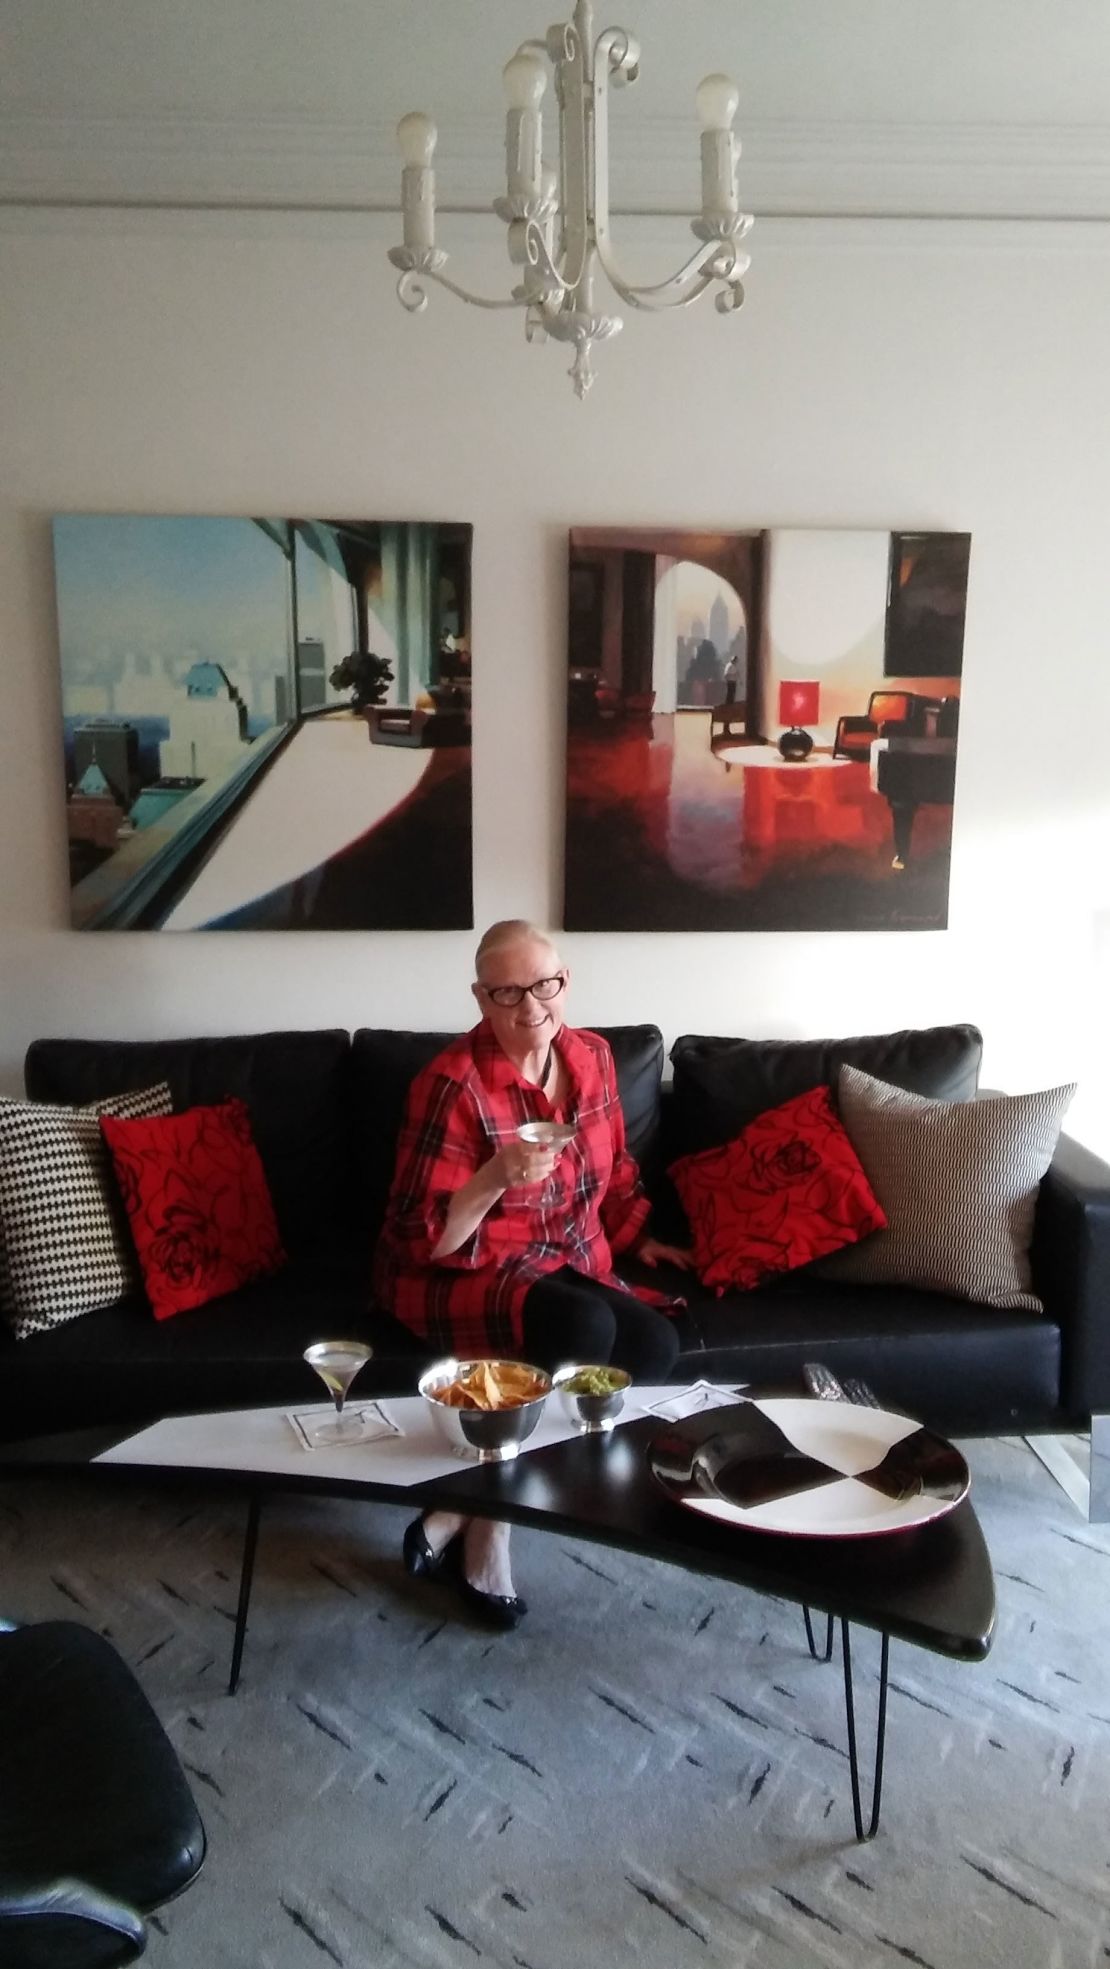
{"x":912,"y":773}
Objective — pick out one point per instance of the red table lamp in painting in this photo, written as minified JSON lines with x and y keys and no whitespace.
{"x":798,"y":706}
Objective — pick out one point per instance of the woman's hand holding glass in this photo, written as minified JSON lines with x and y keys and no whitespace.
{"x":519,"y":1163}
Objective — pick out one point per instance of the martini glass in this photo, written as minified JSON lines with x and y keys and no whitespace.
{"x":546,"y":1134}
{"x":337,"y":1362}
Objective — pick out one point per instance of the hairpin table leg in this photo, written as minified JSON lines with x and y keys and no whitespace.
{"x":880,"y":1736}
{"x":246,"y":1577}
{"x":827,"y":1656}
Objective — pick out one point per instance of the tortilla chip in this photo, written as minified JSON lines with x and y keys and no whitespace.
{"x":493,"y":1385}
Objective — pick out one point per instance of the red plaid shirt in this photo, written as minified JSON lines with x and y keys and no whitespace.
{"x":461,"y":1109}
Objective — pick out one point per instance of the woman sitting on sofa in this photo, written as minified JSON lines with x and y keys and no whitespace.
{"x":493,"y":1246}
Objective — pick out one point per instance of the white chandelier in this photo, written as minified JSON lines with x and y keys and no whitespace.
{"x":558,"y":221}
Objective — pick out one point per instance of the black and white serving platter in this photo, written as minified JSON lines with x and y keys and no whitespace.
{"x":814,"y":1469}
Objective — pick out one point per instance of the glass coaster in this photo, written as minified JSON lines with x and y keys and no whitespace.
{"x":692,"y":1401}
{"x":360,"y":1422}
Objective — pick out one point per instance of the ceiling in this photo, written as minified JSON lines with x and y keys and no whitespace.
{"x":952,"y":108}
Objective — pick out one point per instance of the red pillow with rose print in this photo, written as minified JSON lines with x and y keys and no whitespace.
{"x":198,"y":1203}
{"x":789,"y":1189}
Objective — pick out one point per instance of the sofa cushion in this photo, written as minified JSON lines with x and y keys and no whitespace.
{"x":722,"y":1084}
{"x":295,"y":1084}
{"x":238,"y":1351}
{"x":64,"y":1247}
{"x":385,"y":1062}
{"x":197,"y":1201}
{"x":958,"y":1182}
{"x":789,"y":1189}
{"x":954,"y":1365}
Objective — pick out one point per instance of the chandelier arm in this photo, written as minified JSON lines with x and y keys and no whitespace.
{"x":718,"y":261}
{"x":547,"y":282}
{"x":412,"y":296}
{"x":570,"y":54}
{"x":599,"y":90}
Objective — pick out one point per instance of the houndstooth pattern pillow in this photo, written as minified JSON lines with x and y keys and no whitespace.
{"x":64,"y":1244}
{"x":958,"y":1181}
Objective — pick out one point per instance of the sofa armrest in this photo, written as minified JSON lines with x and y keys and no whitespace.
{"x":1070,"y":1256}
{"x":67,"y":1921}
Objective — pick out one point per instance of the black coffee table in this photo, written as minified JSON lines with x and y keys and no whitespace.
{"x":931,"y":1586}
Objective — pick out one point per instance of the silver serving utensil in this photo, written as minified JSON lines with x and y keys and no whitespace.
{"x":861,"y":1393}
{"x":821,"y":1382}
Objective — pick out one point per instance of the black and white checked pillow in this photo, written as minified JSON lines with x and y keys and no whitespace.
{"x":958,"y":1181}
{"x":64,"y":1244}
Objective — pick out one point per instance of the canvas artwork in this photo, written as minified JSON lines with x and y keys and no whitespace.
{"x":762,"y":728}
{"x":266,"y":722}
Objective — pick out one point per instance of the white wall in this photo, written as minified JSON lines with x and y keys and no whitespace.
{"x":826,"y":619}
{"x":882,"y":375}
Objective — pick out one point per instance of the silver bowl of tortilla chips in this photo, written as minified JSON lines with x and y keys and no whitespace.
{"x":485,"y":1409}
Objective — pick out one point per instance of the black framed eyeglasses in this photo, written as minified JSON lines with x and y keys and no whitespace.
{"x":545,"y":989}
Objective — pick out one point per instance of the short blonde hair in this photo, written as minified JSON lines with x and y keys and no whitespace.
{"x":510,"y":930}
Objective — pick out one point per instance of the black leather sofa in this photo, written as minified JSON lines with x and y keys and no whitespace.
{"x":326,"y":1107}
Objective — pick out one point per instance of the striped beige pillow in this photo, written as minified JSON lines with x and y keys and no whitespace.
{"x":958,"y":1181}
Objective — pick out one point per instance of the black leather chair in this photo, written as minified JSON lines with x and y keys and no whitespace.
{"x":98,"y":1825}
{"x":889,"y":714}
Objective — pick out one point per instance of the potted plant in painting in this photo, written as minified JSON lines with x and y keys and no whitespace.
{"x":365,"y":675}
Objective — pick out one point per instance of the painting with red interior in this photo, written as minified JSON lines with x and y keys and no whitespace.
{"x":762,"y":728}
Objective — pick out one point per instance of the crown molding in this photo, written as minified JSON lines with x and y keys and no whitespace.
{"x":290,"y":162}
{"x":474,"y":235}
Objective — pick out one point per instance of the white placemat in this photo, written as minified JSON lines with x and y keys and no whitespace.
{"x":675,"y":1403}
{"x":261,"y":1439}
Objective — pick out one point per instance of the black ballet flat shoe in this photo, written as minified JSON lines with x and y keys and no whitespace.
{"x":496,"y":1609}
{"x":420,"y":1559}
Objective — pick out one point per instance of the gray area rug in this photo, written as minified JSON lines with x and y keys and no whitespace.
{"x":650,"y":1771}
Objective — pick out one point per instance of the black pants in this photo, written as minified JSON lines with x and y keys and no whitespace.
{"x":571,"y":1318}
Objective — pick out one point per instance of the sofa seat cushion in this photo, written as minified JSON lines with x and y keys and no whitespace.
{"x":241,"y":1350}
{"x":954,"y":1365}
{"x":296,"y":1086}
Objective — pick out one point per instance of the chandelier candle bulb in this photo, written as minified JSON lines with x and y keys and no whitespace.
{"x":416,"y":139}
{"x":525,"y":80}
{"x":717,"y":100}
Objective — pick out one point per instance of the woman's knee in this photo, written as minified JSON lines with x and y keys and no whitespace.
{"x":646,"y":1343}
{"x":563,"y":1325}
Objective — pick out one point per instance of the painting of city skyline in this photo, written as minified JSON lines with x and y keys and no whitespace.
{"x":266,"y":722}
{"x":762,"y":728}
